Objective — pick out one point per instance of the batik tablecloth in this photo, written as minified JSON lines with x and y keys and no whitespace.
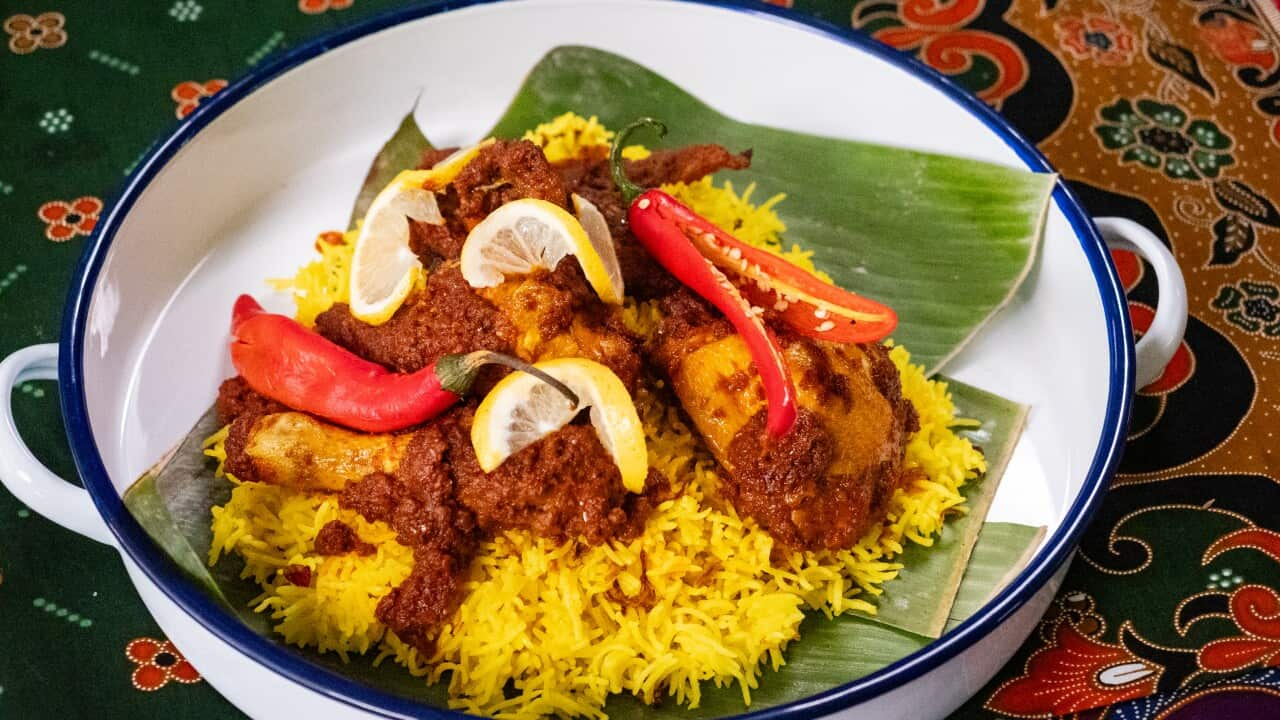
{"x":1163,"y":111}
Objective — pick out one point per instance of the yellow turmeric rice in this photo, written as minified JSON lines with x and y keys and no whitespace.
{"x":545,"y":628}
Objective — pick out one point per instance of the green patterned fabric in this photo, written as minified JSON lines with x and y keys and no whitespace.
{"x":75,"y":119}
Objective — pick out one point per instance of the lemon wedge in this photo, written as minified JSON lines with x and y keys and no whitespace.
{"x":382,"y":265}
{"x":521,"y":409}
{"x":446,"y":171}
{"x":383,"y":268}
{"x":601,"y":240}
{"x":529,"y":234}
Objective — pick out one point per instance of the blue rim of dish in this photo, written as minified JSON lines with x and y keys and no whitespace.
{"x":296,"y":667}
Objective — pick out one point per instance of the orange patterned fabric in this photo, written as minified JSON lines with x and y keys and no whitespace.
{"x":1167,"y":113}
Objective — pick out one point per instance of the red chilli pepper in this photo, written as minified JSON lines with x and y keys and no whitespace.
{"x":808,"y":305}
{"x":290,"y":364}
{"x":664,"y":226}
{"x":661,"y":224}
{"x":805,"y":303}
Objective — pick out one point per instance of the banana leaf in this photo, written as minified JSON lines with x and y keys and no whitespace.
{"x":401,"y":152}
{"x":172,"y":500}
{"x":942,"y":240}
{"x":920,"y":599}
{"x":1001,"y":547}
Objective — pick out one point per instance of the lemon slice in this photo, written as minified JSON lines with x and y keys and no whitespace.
{"x":601,"y":242}
{"x":521,"y":409}
{"x":445,"y":171}
{"x":529,"y":234}
{"x":382,"y":265}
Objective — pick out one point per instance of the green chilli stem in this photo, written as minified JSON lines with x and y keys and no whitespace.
{"x":475,"y":360}
{"x":629,"y":189}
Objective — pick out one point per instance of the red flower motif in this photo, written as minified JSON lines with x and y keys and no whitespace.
{"x":65,"y":220}
{"x":1096,"y":37}
{"x":189,"y":94}
{"x":942,"y":37}
{"x":1256,"y":611}
{"x":158,"y":663}
{"x":1075,"y":673}
{"x":1238,"y":42}
{"x":315,"y":7}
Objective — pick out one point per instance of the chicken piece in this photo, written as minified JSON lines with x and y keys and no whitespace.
{"x":558,"y":315}
{"x":824,"y":482}
{"x":685,"y":165}
{"x":589,"y":176}
{"x":297,"y":450}
{"x":503,"y":171}
{"x":542,"y":316}
{"x":510,"y":170}
{"x":538,"y":317}
{"x":429,"y":487}
{"x":564,"y":485}
{"x":448,"y":316}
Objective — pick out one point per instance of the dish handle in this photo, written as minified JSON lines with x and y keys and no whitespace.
{"x":34,"y":484}
{"x":1156,"y":347}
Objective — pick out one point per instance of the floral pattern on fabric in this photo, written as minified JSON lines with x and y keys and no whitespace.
{"x":186,"y":10}
{"x":56,"y":121}
{"x":1238,"y":42}
{"x":1255,"y":610}
{"x":28,"y":34}
{"x":65,"y":220}
{"x":1250,"y":698}
{"x":1097,"y":38}
{"x":189,"y":94}
{"x":942,"y":37}
{"x":1074,"y":672}
{"x":1246,"y":213}
{"x":1158,"y":135}
{"x":315,"y":7}
{"x":1251,"y":306}
{"x":1241,"y":39}
{"x":157,"y":663}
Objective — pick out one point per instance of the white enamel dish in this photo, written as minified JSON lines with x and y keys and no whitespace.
{"x":235,"y":194}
